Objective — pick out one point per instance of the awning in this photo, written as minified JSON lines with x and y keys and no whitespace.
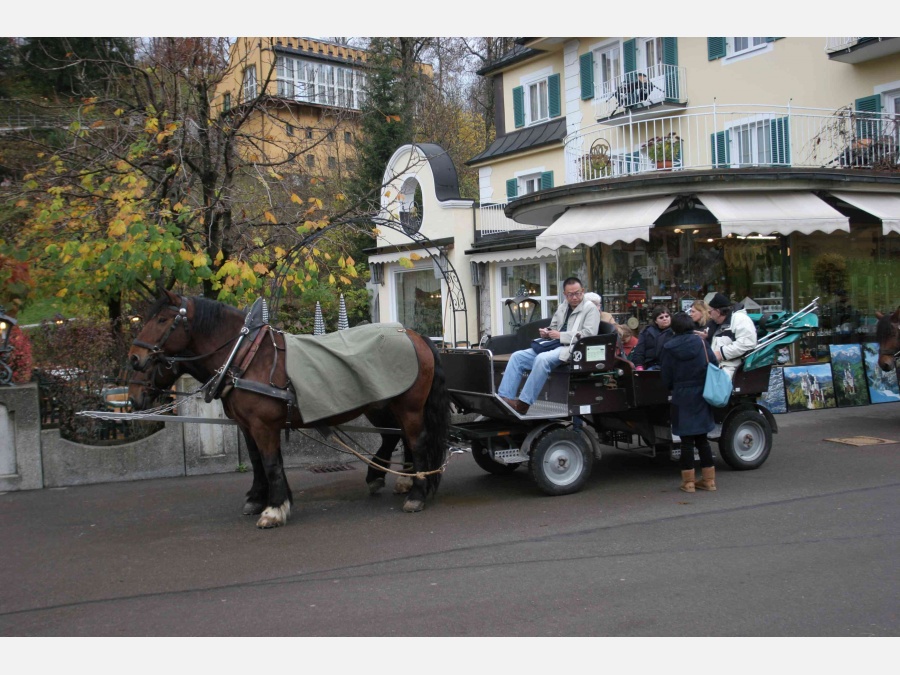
{"x":773,"y":213}
{"x":396,"y":255}
{"x":603,"y":224}
{"x":883,"y":206}
{"x":507,"y":256}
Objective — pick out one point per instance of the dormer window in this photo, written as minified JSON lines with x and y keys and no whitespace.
{"x":537,"y":100}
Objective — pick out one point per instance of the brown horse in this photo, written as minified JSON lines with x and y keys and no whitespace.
{"x":154,"y":385}
{"x":887,"y":335}
{"x":199,"y":334}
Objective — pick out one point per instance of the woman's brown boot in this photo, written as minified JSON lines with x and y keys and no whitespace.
{"x":708,"y":482}
{"x":687,"y":481}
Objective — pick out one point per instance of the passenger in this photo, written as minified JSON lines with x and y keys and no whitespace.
{"x":629,"y":340}
{"x":598,"y":301}
{"x":684,"y":358}
{"x":735,"y":334}
{"x":652,"y":338}
{"x":575,"y":315}
{"x":704,"y":326}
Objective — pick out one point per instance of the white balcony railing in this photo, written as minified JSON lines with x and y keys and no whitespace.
{"x":733,"y":136}
{"x":492,"y":220}
{"x":835,"y":44}
{"x":640,"y":89}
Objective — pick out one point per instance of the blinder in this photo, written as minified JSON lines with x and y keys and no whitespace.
{"x":180,"y":319}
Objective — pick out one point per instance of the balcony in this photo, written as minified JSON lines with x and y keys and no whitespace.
{"x":733,"y":136}
{"x":641,"y":89}
{"x":860,"y":49}
{"x":493,"y":220}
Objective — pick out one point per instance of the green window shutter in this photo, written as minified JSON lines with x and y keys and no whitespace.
{"x":519,"y":106}
{"x":670,"y":58}
{"x":512,"y":188}
{"x":715,"y":48}
{"x":553,"y":101}
{"x":586,"y":70}
{"x":546,"y":180}
{"x":780,"y":141}
{"x":772,"y":39}
{"x":868,"y":126}
{"x":629,"y":55}
{"x":721,"y":144}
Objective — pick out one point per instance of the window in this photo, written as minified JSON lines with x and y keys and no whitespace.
{"x":332,"y":162}
{"x":534,"y":279}
{"x":418,"y":300}
{"x":739,"y":45}
{"x":653,"y":53}
{"x":348,"y":138}
{"x":226,"y":101}
{"x":309,"y":133}
{"x":763,"y":141}
{"x":310,"y":161}
{"x":289,"y":128}
{"x":249,"y":87}
{"x":322,"y":83}
{"x":536,"y":99}
{"x":529,"y":184}
{"x":331,"y":136}
{"x":609,"y":68}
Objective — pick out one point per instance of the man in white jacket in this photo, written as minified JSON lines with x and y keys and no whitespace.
{"x":576,"y":315}
{"x":735,"y":335}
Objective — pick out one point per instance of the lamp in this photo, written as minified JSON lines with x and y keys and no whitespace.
{"x":6,"y":324}
{"x":522,"y":309}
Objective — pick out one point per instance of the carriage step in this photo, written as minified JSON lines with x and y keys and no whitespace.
{"x":509,"y":456}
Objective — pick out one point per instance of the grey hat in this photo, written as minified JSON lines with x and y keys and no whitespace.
{"x":720,"y":301}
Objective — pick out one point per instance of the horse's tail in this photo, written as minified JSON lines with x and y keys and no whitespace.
{"x":437,"y":422}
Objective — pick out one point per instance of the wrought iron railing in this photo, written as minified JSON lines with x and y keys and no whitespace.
{"x":733,"y":136}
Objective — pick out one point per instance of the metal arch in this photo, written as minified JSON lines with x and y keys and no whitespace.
{"x":451,"y":278}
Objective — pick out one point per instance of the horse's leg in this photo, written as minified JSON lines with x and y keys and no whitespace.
{"x":375,"y":479}
{"x":278,"y":504}
{"x":403,"y":484}
{"x":258,"y":493}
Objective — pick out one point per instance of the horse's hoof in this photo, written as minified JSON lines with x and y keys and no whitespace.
{"x":376,"y":486}
{"x":403,"y":485}
{"x":274,"y":516}
{"x":253,"y":508}
{"x":413,"y":505}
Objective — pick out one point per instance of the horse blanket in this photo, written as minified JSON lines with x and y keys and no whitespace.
{"x":349,"y":369}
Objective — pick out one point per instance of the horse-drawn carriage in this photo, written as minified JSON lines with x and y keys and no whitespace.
{"x":597,"y":400}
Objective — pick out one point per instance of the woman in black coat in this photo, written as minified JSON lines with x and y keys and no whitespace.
{"x":683,"y":359}
{"x":652,"y":338}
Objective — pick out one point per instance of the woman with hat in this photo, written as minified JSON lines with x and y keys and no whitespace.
{"x":652,"y":338}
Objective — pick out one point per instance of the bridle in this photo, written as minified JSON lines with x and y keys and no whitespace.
{"x":180,"y":319}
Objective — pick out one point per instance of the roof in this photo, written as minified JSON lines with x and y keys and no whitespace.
{"x":547,"y":133}
{"x":516,"y":54}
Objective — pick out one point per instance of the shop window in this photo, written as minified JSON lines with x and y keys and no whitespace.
{"x":537,"y":280}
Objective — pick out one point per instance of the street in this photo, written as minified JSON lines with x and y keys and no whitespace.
{"x":805,"y":546}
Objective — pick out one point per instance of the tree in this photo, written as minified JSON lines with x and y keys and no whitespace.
{"x":153,"y":186}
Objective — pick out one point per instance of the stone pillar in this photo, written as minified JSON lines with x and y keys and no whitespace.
{"x":20,"y":438}
{"x":208,"y":448}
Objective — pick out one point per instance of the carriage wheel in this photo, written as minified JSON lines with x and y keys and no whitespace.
{"x":746,"y":440}
{"x":561,"y":462}
{"x":483,"y":458}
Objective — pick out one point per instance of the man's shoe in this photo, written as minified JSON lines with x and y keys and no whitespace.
{"x":519,"y":406}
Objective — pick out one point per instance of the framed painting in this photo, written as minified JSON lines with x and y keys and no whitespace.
{"x":882,"y":385}
{"x":774,"y":398}
{"x":809,"y":387}
{"x":850,"y":383}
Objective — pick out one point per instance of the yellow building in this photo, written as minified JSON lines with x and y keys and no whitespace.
{"x":661,"y":169}
{"x":309,"y":94}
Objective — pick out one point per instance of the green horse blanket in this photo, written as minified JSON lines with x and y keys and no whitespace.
{"x":349,"y":369}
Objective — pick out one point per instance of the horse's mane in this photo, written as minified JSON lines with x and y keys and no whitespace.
{"x":208,"y":314}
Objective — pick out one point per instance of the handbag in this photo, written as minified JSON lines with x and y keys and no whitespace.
{"x":541,"y":345}
{"x":717,"y":388}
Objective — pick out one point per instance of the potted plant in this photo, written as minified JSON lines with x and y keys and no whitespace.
{"x":664,"y":150}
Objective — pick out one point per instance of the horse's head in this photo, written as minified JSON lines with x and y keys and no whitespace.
{"x":887,"y":335}
{"x":166,"y":330}
{"x":151,"y":386}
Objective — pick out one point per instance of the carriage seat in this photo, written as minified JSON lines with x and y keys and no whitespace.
{"x":521,"y":339}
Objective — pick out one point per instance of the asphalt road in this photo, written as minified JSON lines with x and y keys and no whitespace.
{"x":805,"y":546}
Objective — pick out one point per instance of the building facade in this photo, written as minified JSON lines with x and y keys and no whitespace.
{"x":661,"y":169}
